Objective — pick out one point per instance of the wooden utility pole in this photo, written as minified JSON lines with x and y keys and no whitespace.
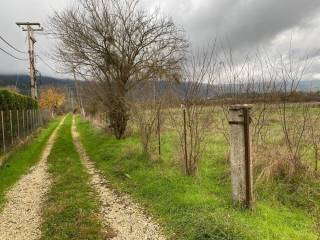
{"x":30,"y":28}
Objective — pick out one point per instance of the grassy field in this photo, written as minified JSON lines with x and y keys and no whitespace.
{"x":71,"y":210}
{"x":20,"y":162}
{"x":196,"y":207}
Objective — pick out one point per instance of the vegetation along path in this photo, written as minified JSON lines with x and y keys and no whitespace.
{"x":21,"y":216}
{"x":118,"y":211}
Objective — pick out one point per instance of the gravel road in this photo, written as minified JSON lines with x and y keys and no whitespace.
{"x":123,"y":219}
{"x":21,"y":216}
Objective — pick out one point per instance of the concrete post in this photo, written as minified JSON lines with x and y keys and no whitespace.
{"x":240,"y":157}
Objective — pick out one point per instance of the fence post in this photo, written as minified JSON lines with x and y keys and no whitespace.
{"x":23,"y":124}
{"x":185,"y":141}
{"x":240,"y":156}
{"x":39,"y":118}
{"x":27,"y":122}
{"x":159,"y":131}
{"x":3,"y":136}
{"x":33,"y":125}
{"x":36,"y":118}
{"x":30,"y":120}
{"x":18,"y":124}
{"x":11,"y":128}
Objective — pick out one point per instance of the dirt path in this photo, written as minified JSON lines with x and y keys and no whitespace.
{"x":21,"y":216}
{"x":127,"y":220}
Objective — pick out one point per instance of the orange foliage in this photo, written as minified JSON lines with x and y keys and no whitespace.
{"x":51,"y":99}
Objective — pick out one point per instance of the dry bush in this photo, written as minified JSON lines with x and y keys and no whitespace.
{"x":245,"y":81}
{"x":293,"y":116}
{"x":272,"y":162}
{"x":271,"y":85}
{"x":146,"y":116}
{"x":147,"y":113}
{"x":193,"y":120}
{"x":313,"y":135}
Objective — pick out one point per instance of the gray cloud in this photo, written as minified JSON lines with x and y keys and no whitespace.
{"x":244,"y":25}
{"x":239,"y":24}
{"x":28,"y":10}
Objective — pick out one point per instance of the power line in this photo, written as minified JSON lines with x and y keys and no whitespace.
{"x":21,"y":59}
{"x":10,"y":45}
{"x":49,"y":66}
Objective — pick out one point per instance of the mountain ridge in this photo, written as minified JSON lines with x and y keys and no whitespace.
{"x":21,"y":82}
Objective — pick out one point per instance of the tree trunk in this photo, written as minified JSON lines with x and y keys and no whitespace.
{"x":118,"y":114}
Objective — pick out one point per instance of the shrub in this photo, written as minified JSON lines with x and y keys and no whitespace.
{"x":14,"y":101}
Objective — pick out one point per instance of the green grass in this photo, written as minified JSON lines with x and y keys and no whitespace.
{"x":192,"y":207}
{"x":71,"y":210}
{"x":23,"y":159}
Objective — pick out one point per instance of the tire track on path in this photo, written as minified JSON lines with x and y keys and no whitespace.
{"x":21,"y":216}
{"x":119,"y":212}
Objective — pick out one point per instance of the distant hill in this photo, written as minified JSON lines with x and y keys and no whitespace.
{"x":22,"y":82}
{"x":309,"y":86}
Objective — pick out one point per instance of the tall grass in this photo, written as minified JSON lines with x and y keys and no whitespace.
{"x":197,"y":207}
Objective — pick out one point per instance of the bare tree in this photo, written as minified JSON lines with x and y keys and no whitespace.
{"x":118,"y":45}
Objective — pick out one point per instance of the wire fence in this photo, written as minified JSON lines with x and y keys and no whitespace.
{"x":17,"y":125}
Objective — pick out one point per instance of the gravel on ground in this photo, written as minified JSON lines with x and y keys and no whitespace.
{"x":123,"y":218}
{"x":21,"y":215}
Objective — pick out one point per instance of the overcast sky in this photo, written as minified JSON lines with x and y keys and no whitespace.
{"x":242,"y":25}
